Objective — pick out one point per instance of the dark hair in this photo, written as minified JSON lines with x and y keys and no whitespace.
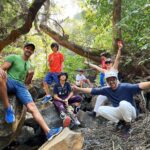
{"x":55,"y":45}
{"x":29,"y":44}
{"x":63,"y":74}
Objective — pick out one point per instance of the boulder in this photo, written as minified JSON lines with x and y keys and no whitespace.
{"x":8,"y":132}
{"x":66,"y":140}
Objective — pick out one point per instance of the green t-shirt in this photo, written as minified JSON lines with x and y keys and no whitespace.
{"x":19,"y":68}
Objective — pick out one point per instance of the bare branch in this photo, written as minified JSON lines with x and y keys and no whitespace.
{"x":26,"y":26}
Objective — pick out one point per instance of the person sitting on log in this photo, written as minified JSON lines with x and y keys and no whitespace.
{"x":81,"y":80}
{"x":64,"y":98}
{"x":14,"y":75}
{"x":113,"y":67}
{"x":123,"y":109}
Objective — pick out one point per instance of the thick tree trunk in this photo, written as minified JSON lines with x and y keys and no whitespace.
{"x":70,"y":45}
{"x":26,"y":27}
{"x":115,"y":21}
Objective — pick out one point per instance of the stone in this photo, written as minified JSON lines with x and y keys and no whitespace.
{"x":66,"y":140}
{"x":8,"y":132}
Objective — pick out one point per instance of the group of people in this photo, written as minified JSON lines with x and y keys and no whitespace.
{"x":15,"y":74}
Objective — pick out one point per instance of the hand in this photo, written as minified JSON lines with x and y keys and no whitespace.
{"x":120,"y":44}
{"x":3,"y":74}
{"x":74,"y":87}
{"x":66,"y":102}
{"x":86,"y":62}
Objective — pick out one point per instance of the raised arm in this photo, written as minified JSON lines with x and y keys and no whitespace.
{"x":116,"y":62}
{"x":95,"y":67}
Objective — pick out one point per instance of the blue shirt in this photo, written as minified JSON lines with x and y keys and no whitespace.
{"x":62,"y":92}
{"x":124,"y":91}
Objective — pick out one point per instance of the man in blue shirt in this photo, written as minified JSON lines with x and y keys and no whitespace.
{"x":123,"y":109}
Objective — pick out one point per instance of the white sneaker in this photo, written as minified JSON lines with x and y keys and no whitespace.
{"x":76,"y":121}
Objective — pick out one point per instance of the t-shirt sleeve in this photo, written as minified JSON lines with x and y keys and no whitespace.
{"x":98,"y":91}
{"x":83,"y":77}
{"x":134,"y":88}
{"x":69,"y":87}
{"x":10,"y":58}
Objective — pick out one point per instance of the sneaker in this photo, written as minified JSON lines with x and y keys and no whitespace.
{"x":76,"y":121}
{"x":9,"y":115}
{"x":66,"y":121}
{"x":127,"y":130}
{"x":76,"y":109}
{"x":120,"y":125}
{"x":92,"y":114}
{"x":47,"y":99}
{"x":53,"y":132}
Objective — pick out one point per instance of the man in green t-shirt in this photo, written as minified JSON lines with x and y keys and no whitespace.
{"x":14,"y":75}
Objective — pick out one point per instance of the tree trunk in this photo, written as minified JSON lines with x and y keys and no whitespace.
{"x":115,"y":21}
{"x":26,"y":26}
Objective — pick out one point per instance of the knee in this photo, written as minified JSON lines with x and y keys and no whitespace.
{"x":123,"y":105}
{"x":31,"y":107}
{"x":101,"y":110}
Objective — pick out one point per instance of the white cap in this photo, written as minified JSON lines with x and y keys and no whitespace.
{"x":111,"y":74}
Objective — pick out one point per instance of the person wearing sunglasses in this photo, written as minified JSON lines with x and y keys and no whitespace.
{"x":110,"y":66}
{"x":14,"y":75}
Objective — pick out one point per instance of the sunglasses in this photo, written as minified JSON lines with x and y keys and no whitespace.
{"x":108,"y":62}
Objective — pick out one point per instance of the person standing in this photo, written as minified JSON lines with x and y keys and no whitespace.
{"x":55,"y":61}
{"x":14,"y":75}
{"x":103,"y":65}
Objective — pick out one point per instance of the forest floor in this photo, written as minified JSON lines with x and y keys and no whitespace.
{"x":104,"y":137}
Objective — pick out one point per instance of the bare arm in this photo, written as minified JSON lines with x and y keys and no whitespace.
{"x":144,"y":85}
{"x":29,"y":77}
{"x":116,"y":62}
{"x":84,"y":90}
{"x":3,"y":68}
{"x":57,"y":97}
{"x":69,"y":96}
{"x":95,"y":67}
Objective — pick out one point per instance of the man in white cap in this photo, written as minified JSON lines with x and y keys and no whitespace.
{"x":123,"y":109}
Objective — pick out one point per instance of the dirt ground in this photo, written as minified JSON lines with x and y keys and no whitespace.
{"x":105,"y":137}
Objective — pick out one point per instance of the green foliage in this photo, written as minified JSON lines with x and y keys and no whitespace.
{"x":72,"y":63}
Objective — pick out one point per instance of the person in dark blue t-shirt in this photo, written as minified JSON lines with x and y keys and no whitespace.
{"x":64,"y":98}
{"x":123,"y":109}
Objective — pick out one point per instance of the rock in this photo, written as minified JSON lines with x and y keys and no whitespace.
{"x":66,"y":140}
{"x":88,"y":121}
{"x":8,"y":132}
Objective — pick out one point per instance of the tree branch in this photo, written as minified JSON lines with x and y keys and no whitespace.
{"x":26,"y":26}
{"x":70,"y":45}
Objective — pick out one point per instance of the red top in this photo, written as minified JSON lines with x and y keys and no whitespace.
{"x":103,"y":64}
{"x":55,"y":62}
